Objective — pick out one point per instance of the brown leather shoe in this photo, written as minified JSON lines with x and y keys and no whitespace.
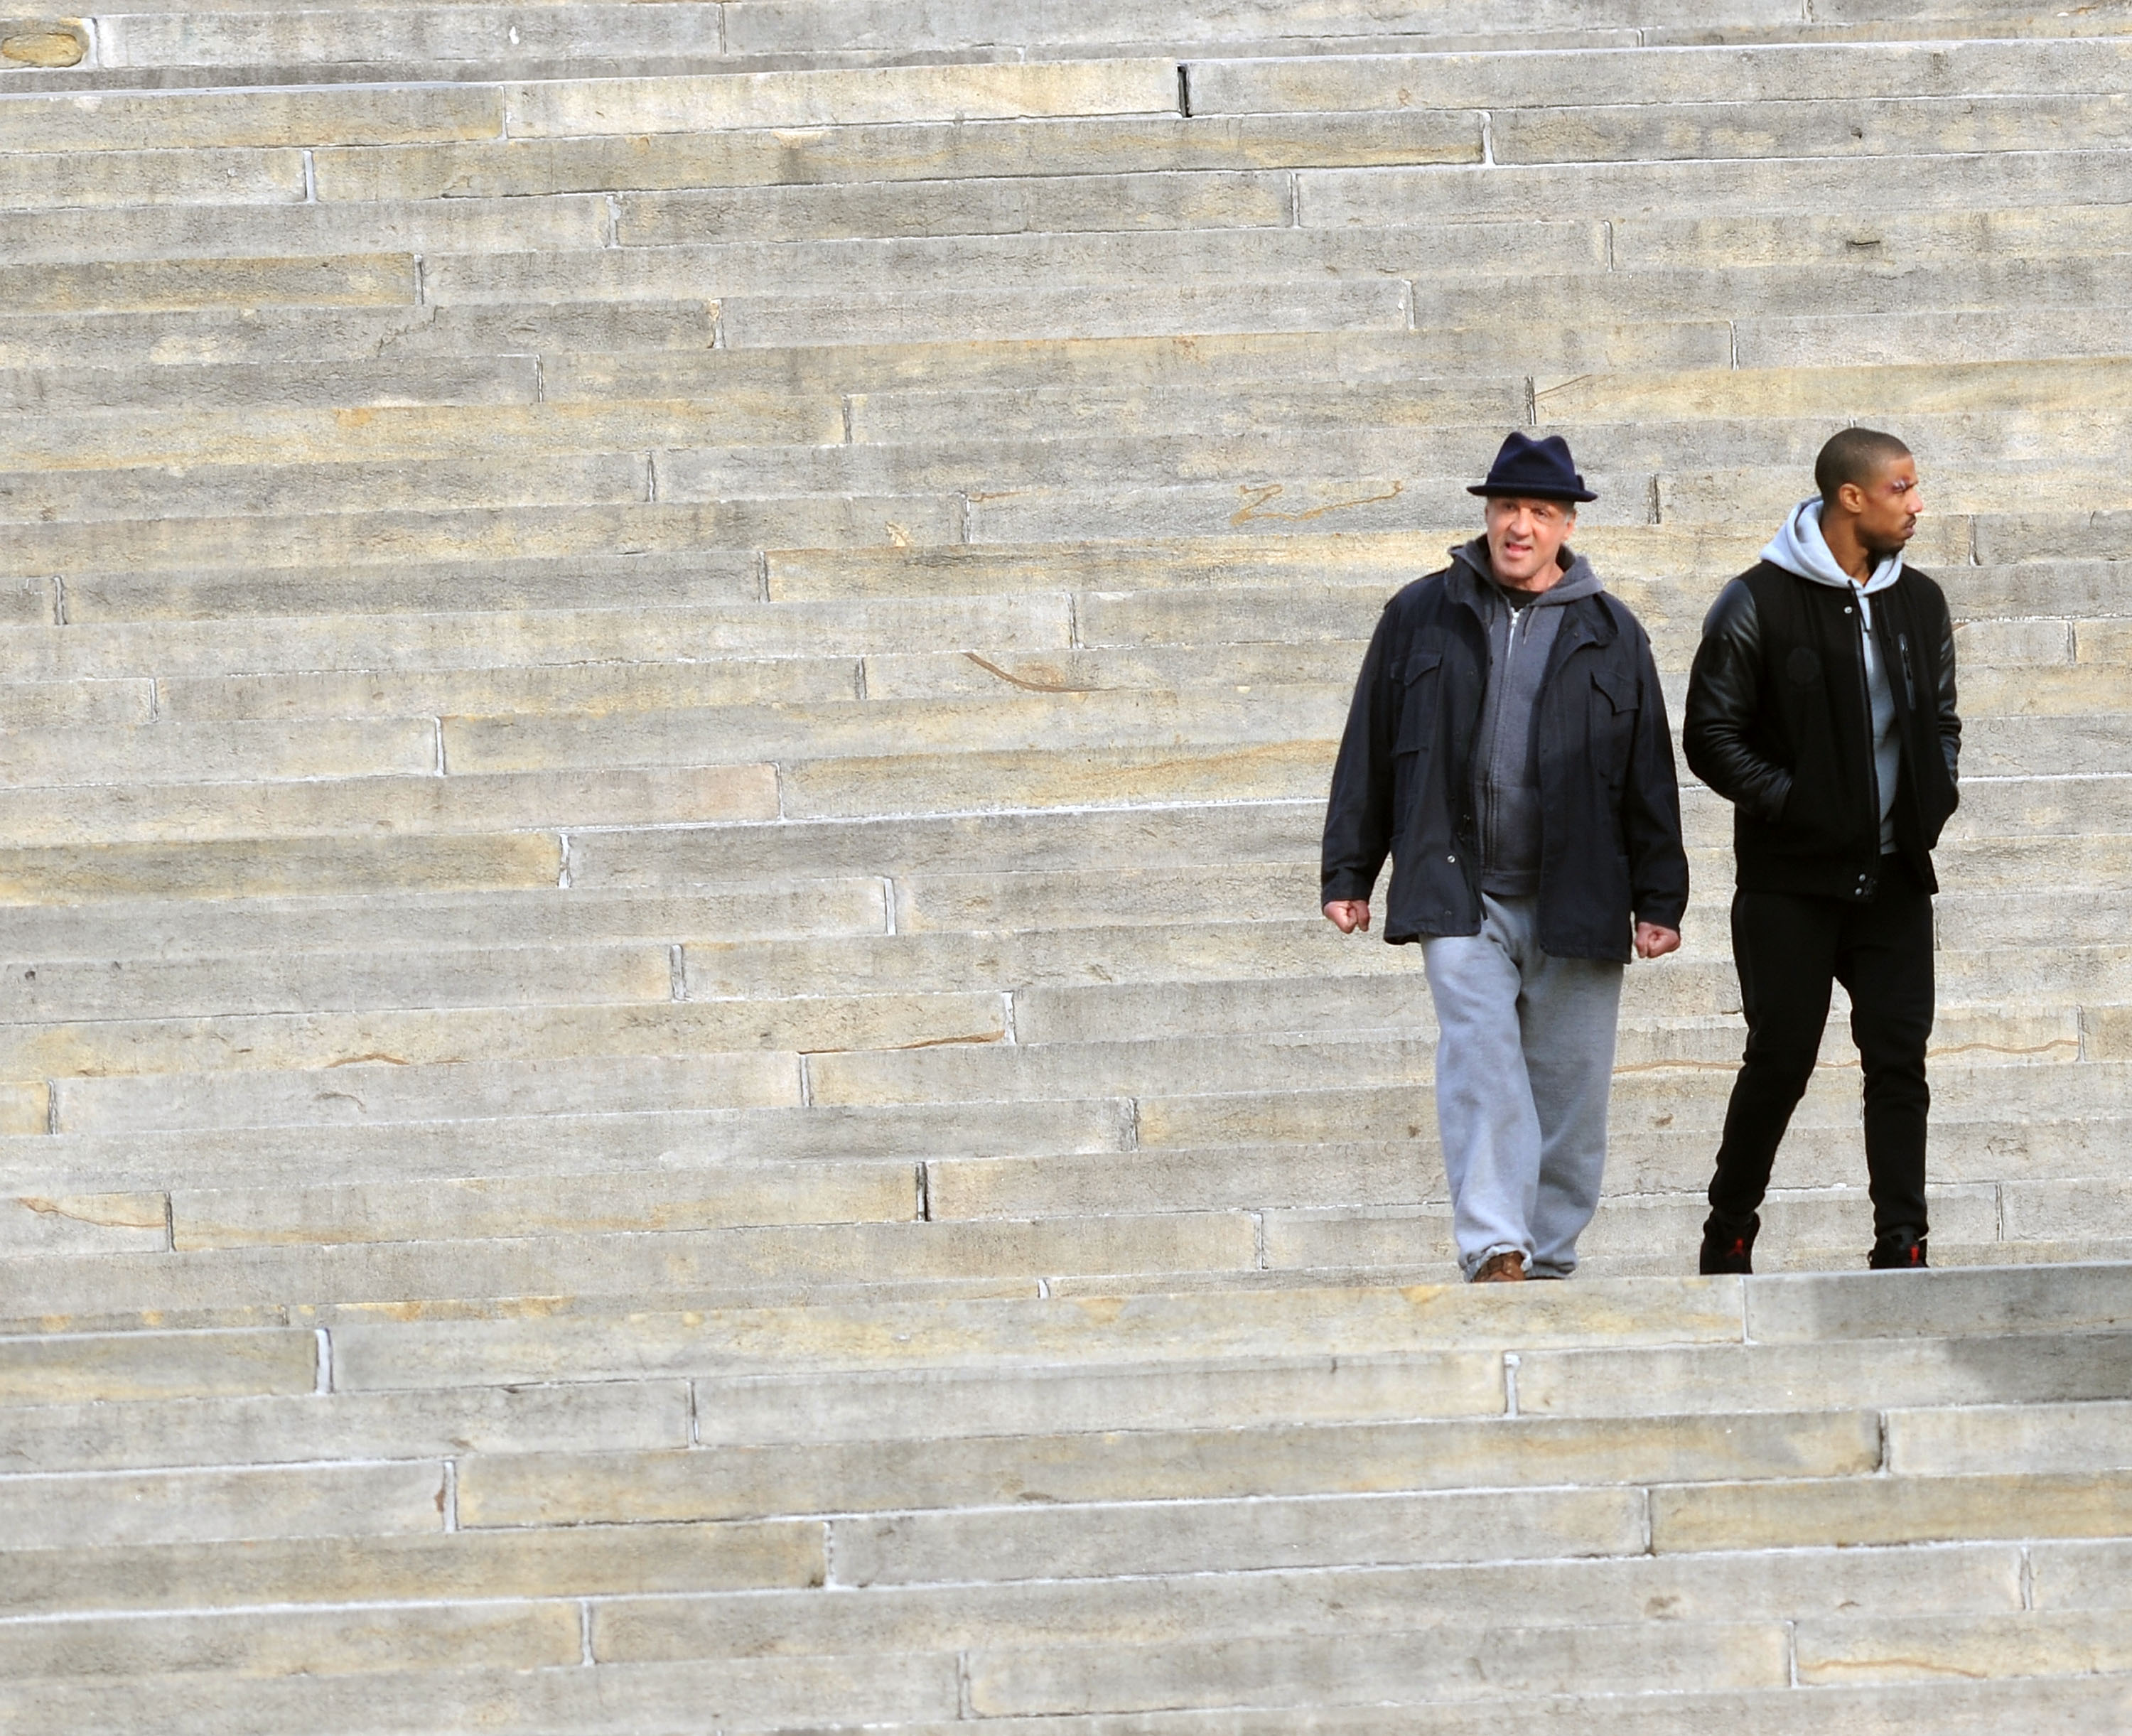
{"x":1507,"y":1267}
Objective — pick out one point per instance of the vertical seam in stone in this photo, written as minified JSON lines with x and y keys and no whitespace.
{"x":777,"y":773}
{"x":1259,"y":1241}
{"x":325,"y":1381}
{"x":1732,"y":340}
{"x":1791,"y":1652}
{"x":451,"y":1501}
{"x":539,"y":378}
{"x":717,"y":325}
{"x":1511,"y":1363}
{"x":722,"y":30}
{"x":1488,"y":139}
{"x":695,"y":1417}
{"x":1295,"y":199}
{"x":2027,"y":1579}
{"x":1998,"y":1199}
{"x":762,"y":575}
{"x":829,"y":1552}
{"x":1073,"y":621}
{"x":887,"y":883}
{"x":154,"y":699}
{"x":1184,"y":90}
{"x":806,"y":1083}
{"x":585,"y":1630}
{"x":310,"y":177}
{"x":563,"y":862}
{"x":924,"y":1181}
{"x":1532,"y":401}
{"x":59,"y":600}
{"x":170,"y":1225}
{"x":651,"y":478}
{"x":962,"y":1686}
{"x":422,"y":282}
{"x":1132,"y":1124}
{"x":52,"y":1106}
{"x":1006,"y":1015}
{"x":848,"y":418}
{"x":1656,"y":517}
{"x":1608,"y":223}
{"x":962,"y":523}
{"x":613,"y":222}
{"x":858,"y":678}
{"x":677,"y":971}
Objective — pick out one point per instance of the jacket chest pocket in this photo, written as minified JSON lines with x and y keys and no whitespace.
{"x":1613,"y":706}
{"x":1420,"y":683}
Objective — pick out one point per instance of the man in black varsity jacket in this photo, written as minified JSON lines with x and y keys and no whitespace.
{"x":1821,"y":706}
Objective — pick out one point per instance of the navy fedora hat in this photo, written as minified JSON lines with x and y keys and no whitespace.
{"x":1542,"y":470}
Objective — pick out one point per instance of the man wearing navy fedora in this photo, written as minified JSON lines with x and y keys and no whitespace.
{"x":1507,"y":748}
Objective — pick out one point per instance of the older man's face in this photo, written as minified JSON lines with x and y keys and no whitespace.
{"x":1524,"y":536}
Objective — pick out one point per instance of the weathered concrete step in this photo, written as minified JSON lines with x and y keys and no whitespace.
{"x":500,"y":862}
{"x":378,"y":1089}
{"x":1666,"y":1228}
{"x":120,"y":341}
{"x":386,"y":115}
{"x":77,"y":1434}
{"x":597,"y":1018}
{"x":584,"y":582}
{"x":1012,"y":720}
{"x":1335,"y":197}
{"x":295,"y":1571}
{"x":366,"y":280}
{"x":1284,"y":1323}
{"x":140,"y":1366}
{"x":734,"y":1482}
{"x":411,"y":1151}
{"x":217,"y":753}
{"x":501,"y":533}
{"x":355,"y":1500}
{"x":497,"y":1634}
{"x":1654,"y":78}
{"x":103,"y":816}
{"x":786,"y":1258}
{"x":755,"y":1694}
{"x":174,"y":929}
{"x":732,"y":1196}
{"x":1306,"y":1114}
{"x":276,"y":439}
{"x":442,"y":642}
{"x":863,"y":152}
{"x":423,"y":34}
{"x":1976,"y":1580}
{"x":911,"y":1698}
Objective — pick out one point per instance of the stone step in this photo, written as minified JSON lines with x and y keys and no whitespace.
{"x":277,"y":929}
{"x":785,"y":1259}
{"x":793,"y":1478}
{"x":389,"y":115}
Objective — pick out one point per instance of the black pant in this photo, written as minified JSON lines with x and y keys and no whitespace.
{"x":1788,"y":948}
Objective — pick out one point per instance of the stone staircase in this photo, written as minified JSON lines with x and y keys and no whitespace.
{"x":668,"y":1064}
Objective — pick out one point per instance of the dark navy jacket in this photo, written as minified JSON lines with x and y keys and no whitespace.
{"x":1611,"y":851}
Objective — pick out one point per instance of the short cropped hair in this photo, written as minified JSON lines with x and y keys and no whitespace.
{"x":1855,"y":455}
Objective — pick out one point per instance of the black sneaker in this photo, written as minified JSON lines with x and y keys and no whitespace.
{"x":1898,"y":1250}
{"x":1728,"y":1245}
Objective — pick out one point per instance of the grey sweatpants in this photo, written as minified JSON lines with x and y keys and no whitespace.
{"x":1524,"y":1059}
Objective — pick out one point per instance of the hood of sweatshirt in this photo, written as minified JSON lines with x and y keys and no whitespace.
{"x":1578,"y":581}
{"x":1799,"y":547}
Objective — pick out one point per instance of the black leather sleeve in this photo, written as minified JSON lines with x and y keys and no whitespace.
{"x":1950,"y":721}
{"x":1724,"y":697}
{"x":1650,"y":807}
{"x":1358,"y":816}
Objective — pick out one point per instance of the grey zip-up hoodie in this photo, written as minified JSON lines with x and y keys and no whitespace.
{"x":1506,"y":753}
{"x":1799,"y":547}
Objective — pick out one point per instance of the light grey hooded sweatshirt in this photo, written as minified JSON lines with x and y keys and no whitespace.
{"x":1798,"y":547}
{"x":1507,"y":755}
